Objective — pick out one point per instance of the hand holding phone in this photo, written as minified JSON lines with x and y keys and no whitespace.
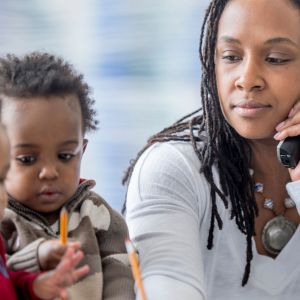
{"x":288,"y":151}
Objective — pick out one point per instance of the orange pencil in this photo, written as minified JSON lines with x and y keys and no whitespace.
{"x":133,"y":258}
{"x":63,"y":226}
{"x":63,"y":223}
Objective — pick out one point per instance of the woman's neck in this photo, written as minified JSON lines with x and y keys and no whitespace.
{"x":264,"y":161}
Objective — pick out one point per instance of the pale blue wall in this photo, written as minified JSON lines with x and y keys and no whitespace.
{"x":140,"y":57}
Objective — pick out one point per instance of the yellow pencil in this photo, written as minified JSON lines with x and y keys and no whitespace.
{"x":63,"y":226}
{"x":133,"y":258}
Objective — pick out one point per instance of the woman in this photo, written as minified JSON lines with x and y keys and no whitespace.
{"x":207,"y":203}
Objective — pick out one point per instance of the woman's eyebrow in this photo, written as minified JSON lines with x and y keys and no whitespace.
{"x":229,"y":39}
{"x":272,"y":41}
{"x":281,"y":40}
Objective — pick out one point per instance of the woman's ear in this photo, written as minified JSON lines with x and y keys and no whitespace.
{"x":85,"y":142}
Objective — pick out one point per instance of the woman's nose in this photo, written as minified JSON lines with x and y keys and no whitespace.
{"x":250,"y":78}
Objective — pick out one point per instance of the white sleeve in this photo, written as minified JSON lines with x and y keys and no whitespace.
{"x":293,"y":189}
{"x":164,"y":222}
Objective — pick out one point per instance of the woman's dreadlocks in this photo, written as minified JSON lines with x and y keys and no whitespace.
{"x":222,"y":146}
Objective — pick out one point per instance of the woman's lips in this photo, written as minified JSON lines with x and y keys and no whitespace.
{"x":250,"y":109}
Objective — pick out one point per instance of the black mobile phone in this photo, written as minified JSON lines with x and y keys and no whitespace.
{"x":288,"y":151}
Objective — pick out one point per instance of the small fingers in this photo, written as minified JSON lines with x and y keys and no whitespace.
{"x":63,"y":294}
{"x":69,"y":261}
{"x":76,"y":258}
{"x":81,"y":272}
{"x":72,"y":277}
{"x":75,"y":245}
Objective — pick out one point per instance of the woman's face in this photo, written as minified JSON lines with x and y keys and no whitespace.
{"x":258,"y":64}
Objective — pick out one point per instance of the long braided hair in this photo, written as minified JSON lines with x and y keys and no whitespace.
{"x":222,"y":147}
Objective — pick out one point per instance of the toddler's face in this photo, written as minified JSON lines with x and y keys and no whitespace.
{"x":46,"y":139}
{"x":4,"y":166}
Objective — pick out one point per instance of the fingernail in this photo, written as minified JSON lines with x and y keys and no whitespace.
{"x":291,"y":111}
{"x":280,"y":125}
{"x":277,"y":135}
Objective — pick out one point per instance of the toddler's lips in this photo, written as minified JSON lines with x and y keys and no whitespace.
{"x":49,"y":197}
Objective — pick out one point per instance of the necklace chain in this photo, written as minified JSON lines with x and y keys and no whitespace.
{"x":269,"y":203}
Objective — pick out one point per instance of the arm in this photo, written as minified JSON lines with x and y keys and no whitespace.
{"x":293,"y":189}
{"x":163,"y":217}
{"x":51,"y":284}
{"x":26,"y":258}
{"x":117,"y":278}
{"x":35,"y":255}
{"x":18,"y":259}
{"x":23,"y":283}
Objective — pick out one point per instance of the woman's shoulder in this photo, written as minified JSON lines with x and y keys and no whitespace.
{"x":169,"y":170}
{"x":180,"y":152}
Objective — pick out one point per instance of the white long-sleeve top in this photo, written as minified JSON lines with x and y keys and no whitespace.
{"x":168,"y":214}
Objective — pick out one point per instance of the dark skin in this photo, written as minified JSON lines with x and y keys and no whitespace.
{"x":47,"y":143}
{"x":257,"y":76}
{"x":274,"y":188}
{"x":51,"y":284}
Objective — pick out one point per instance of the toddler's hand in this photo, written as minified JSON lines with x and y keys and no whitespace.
{"x":53,"y":283}
{"x":51,"y":252}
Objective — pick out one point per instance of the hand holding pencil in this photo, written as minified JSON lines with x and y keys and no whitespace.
{"x":50,"y":252}
{"x":53,"y":283}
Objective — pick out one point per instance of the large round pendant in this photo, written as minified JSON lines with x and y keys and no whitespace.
{"x":276,"y":234}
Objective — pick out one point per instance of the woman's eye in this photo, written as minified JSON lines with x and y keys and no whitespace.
{"x":277,"y":60}
{"x":26,"y":159}
{"x":231,"y":58}
{"x":65,"y":156}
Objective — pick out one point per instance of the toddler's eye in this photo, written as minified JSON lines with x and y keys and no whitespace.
{"x":26,"y":159}
{"x":65,"y":156}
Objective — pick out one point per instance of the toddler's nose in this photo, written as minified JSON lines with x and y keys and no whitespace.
{"x":48,"y":172}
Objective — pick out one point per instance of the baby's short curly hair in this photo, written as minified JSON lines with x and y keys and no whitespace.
{"x":43,"y":75}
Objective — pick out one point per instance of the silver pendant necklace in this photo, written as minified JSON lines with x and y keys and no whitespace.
{"x":279,"y":230}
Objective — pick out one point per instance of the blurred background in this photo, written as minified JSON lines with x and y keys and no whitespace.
{"x":139,"y":56}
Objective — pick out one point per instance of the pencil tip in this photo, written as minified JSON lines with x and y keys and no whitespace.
{"x":63,"y":210}
{"x":129,"y":246}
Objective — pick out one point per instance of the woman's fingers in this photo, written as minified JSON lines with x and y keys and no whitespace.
{"x":289,"y":122}
{"x":293,"y":118}
{"x":292,"y":130}
{"x":294,"y":109}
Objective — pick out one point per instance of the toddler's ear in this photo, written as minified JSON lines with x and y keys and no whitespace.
{"x":85,"y":142}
